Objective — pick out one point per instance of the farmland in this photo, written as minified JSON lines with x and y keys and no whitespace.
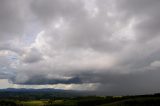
{"x":47,"y":98}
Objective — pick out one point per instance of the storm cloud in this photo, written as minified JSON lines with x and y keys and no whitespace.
{"x":113,"y":44}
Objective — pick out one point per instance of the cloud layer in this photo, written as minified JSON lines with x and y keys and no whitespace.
{"x":110,"y":43}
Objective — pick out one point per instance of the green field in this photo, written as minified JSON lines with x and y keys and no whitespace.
{"x":47,"y":103}
{"x":95,"y":101}
{"x":33,"y":103}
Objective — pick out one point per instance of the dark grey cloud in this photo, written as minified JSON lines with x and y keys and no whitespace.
{"x":110,"y":42}
{"x":123,"y":84}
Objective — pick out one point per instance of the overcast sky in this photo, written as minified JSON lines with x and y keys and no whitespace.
{"x":111,"y":47}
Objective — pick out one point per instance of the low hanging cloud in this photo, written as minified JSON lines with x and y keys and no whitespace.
{"x":41,"y":80}
{"x":110,"y":43}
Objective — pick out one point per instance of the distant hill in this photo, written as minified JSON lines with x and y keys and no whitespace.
{"x":23,"y":93}
{"x":31,"y":90}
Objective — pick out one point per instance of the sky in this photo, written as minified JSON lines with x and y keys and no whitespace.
{"x":110,"y":47}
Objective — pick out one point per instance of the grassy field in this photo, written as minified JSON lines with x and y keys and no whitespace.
{"x":33,"y":103}
{"x":47,"y":103}
{"x":145,"y":101}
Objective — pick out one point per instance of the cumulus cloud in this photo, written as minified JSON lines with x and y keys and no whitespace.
{"x":110,"y":43}
{"x":31,"y":56}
